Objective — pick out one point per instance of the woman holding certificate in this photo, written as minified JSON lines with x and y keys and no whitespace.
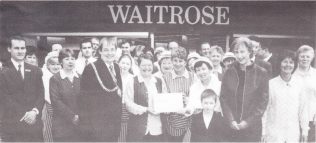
{"x":144,"y":124}
{"x":244,"y":94}
{"x":178,"y":81}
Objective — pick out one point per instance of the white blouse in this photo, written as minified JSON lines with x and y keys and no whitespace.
{"x":286,"y":111}
{"x":197,"y":89}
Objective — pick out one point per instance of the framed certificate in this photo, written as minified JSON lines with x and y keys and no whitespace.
{"x":168,"y":102}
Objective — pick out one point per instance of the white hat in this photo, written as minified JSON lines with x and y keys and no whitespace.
{"x":164,"y":54}
{"x":193,"y":55}
{"x":229,"y":55}
{"x":204,"y":59}
{"x":50,"y":55}
{"x":159,"y":49}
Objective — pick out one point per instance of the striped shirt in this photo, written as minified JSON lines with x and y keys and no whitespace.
{"x":177,"y":124}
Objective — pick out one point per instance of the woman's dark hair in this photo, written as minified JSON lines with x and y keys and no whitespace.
{"x":200,"y":63}
{"x":130,"y":58}
{"x":208,"y":93}
{"x":145,"y":56}
{"x":31,"y":50}
{"x":287,"y":54}
{"x":64,"y":53}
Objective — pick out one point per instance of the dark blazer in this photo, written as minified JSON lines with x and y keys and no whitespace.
{"x":215,"y":132}
{"x":255,"y":97}
{"x":275,"y":65}
{"x":266,"y":65}
{"x":18,"y":97}
{"x":99,"y":110}
{"x":64,"y":96}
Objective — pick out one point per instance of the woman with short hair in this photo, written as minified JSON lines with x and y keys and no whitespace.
{"x":64,"y":89}
{"x":286,"y":117}
{"x":244,"y":94}
{"x":144,"y":124}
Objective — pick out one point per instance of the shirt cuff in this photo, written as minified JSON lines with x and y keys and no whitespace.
{"x":35,"y":110}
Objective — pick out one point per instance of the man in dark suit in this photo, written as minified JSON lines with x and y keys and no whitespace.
{"x":266,"y":55}
{"x":100,"y":100}
{"x":22,"y":96}
{"x":256,"y":57}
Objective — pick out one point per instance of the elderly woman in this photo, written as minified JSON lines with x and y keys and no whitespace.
{"x":144,"y":124}
{"x":64,"y":89}
{"x":52,"y":67}
{"x":308,"y":74}
{"x":206,"y":80}
{"x":286,"y":114}
{"x":244,"y":94}
{"x":164,"y":63}
{"x":216,"y":54}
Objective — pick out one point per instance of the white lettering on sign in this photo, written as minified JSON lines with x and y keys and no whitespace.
{"x":207,"y":15}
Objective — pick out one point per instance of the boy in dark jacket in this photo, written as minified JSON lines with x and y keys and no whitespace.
{"x":208,"y":125}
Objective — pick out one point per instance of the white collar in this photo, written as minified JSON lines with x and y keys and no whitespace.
{"x":267,"y":58}
{"x":90,"y":60}
{"x":310,"y":71}
{"x":141,"y":79}
{"x":16,"y":64}
{"x":185,"y":74}
{"x":218,"y":70}
{"x":63,"y":75}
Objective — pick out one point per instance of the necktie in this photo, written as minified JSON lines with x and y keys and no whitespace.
{"x":86,"y":62}
{"x":112,"y":72}
{"x":19,"y":71}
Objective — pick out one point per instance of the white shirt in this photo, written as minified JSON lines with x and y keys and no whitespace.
{"x":46,"y":77}
{"x":197,"y":89}
{"x":207,"y":119}
{"x":154,"y":126}
{"x":267,"y":58}
{"x":81,"y":63}
{"x":16,"y":65}
{"x":126,"y":79}
{"x":63,"y":75}
{"x":309,"y":81}
{"x":286,"y":111}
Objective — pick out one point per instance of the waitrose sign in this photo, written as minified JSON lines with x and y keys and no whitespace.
{"x":171,"y":14}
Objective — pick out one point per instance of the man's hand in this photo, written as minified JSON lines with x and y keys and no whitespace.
{"x":29,"y":117}
{"x":243,"y":125}
{"x":234,"y":125}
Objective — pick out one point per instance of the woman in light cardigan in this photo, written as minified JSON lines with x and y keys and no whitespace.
{"x":52,"y":66}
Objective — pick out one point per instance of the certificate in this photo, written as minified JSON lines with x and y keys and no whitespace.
{"x":168,"y":102}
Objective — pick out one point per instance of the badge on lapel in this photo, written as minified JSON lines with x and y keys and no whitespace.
{"x":27,"y":70}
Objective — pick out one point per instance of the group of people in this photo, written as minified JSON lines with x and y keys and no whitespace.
{"x":107,"y":93}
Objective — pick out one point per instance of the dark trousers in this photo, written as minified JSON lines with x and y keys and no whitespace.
{"x":171,"y":138}
{"x":311,"y":132}
{"x":152,"y":138}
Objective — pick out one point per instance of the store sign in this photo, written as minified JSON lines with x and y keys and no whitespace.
{"x":171,"y":14}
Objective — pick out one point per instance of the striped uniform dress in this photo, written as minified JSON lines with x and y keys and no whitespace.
{"x":177,"y":124}
{"x":47,"y":115}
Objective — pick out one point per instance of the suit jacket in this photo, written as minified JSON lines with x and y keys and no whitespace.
{"x":266,"y":65}
{"x":275,"y":65}
{"x":99,"y":110}
{"x":215,"y":132}
{"x":20,"y":96}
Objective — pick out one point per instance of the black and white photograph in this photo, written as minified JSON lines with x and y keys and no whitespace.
{"x":157,"y":71}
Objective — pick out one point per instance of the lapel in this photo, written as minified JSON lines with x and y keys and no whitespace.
{"x":104,"y":74}
{"x":13,"y":73}
{"x":27,"y":72}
